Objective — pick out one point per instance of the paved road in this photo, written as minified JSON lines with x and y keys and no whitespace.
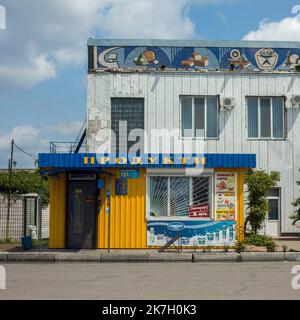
{"x":150,"y":281}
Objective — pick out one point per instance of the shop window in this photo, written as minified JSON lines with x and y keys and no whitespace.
{"x":199,"y":117}
{"x":265,"y":117}
{"x":187,"y":197}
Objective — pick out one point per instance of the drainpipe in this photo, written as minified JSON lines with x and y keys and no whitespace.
{"x":108,"y":211}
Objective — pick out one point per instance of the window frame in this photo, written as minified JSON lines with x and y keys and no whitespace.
{"x":180,"y":218}
{"x":278,"y":198}
{"x":271,"y":118}
{"x":194,"y":137}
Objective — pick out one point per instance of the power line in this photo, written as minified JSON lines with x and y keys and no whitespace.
{"x":34,"y":157}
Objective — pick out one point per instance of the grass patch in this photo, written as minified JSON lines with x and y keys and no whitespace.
{"x":43,"y":243}
{"x":9,"y":241}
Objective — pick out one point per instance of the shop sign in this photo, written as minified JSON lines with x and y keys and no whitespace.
{"x":129,"y":174}
{"x":146,"y":160}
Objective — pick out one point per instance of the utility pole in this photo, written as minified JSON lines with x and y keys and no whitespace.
{"x":10,"y":165}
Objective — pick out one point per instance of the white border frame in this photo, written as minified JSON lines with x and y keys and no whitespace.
{"x":180,"y":174}
{"x":258,"y":119}
{"x":193,"y":117}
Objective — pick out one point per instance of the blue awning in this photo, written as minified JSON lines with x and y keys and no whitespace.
{"x":92,"y":160}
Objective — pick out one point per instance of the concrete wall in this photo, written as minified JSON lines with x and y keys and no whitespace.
{"x":161,"y":92}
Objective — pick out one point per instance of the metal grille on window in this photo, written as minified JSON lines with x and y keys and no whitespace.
{"x":180,"y":197}
{"x":126,"y":112}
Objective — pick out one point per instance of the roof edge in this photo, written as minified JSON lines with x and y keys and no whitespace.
{"x":191,"y":43}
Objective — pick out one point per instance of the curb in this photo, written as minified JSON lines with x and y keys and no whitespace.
{"x":217,"y":257}
{"x":30,"y":257}
{"x":3,"y":257}
{"x":149,"y":257}
{"x":76,"y":257}
{"x":262,"y":256}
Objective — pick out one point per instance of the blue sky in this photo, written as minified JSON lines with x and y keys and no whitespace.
{"x":43,"y":52}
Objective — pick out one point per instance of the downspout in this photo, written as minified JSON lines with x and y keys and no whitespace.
{"x":108,"y":211}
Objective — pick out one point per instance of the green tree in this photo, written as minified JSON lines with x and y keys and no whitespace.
{"x":296,"y":216}
{"x":24,"y":182}
{"x":258,"y":183}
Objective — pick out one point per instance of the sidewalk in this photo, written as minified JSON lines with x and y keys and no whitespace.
{"x":102,"y":256}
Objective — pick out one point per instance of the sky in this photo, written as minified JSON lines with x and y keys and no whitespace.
{"x":43,"y":53}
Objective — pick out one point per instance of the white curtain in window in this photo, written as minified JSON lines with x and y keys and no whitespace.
{"x":199,"y":117}
{"x":277,"y":117}
{"x":187,"y":116}
{"x":212,"y":117}
{"x":252,"y":105}
{"x":265,"y":117}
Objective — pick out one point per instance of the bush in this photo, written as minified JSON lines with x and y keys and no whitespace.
{"x":240,"y":246}
{"x":271,"y":246}
{"x":260,"y":241}
{"x":258,"y":183}
{"x":226,"y":248}
{"x":24,"y":182}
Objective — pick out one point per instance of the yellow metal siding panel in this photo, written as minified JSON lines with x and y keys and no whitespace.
{"x":57,"y":211}
{"x":241,"y":209}
{"x":128,"y":220}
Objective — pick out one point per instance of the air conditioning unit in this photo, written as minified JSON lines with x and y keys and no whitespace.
{"x":228,"y":103}
{"x":296,"y":100}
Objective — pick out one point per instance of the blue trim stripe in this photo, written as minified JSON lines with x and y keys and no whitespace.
{"x":213,"y":160}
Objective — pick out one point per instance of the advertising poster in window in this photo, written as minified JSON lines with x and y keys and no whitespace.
{"x":192,"y":233}
{"x":225,"y":196}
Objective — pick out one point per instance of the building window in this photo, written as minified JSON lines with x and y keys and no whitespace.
{"x":274,"y":204}
{"x":199,"y":117}
{"x":187,"y":197}
{"x":265,"y":117}
{"x":127,"y":112}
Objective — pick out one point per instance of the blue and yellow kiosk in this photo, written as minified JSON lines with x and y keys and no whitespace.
{"x":106,"y":201}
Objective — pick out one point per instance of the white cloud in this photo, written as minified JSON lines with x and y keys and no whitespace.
{"x":44,"y":36}
{"x":287,"y":29}
{"x":66,"y":129}
{"x":34,"y":140}
{"x":28,"y":138}
{"x":148,"y":19}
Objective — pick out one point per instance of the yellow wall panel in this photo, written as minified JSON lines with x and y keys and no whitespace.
{"x":128,"y":218}
{"x":57,"y":211}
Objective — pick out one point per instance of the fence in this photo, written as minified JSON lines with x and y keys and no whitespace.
{"x":23,"y":215}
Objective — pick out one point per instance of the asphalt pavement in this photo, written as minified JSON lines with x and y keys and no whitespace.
{"x":155,"y":280}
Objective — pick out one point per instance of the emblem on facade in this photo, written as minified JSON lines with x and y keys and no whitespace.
{"x":109,"y":59}
{"x":237,"y":59}
{"x":266,"y":58}
{"x":292,"y":61}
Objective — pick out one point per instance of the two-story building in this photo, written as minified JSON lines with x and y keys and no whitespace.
{"x":172,"y":126}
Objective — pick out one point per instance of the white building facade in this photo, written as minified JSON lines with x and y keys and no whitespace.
{"x":219,"y":97}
